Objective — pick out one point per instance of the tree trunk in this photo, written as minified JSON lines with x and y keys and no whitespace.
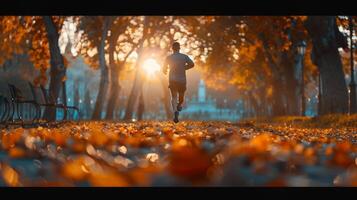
{"x":141,"y":107}
{"x":291,"y":91}
{"x":134,"y":93}
{"x":326,"y":40}
{"x":58,"y":70}
{"x":166,"y":99}
{"x":76,"y":94}
{"x":290,"y":64}
{"x":278,"y":108}
{"x":119,"y":109}
{"x":262,"y":105}
{"x":114,"y":92}
{"x":114,"y":76}
{"x":104,"y":76}
{"x":64,"y":93}
{"x":138,"y":75}
{"x":87,"y":104}
{"x":334,"y":90}
{"x":319,"y":104}
{"x":254,"y":106}
{"x":298,"y":79}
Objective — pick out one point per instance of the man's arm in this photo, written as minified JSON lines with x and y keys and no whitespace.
{"x":165,"y":67}
{"x":189,"y":63}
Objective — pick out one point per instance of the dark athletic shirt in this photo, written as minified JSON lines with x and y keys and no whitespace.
{"x":178,"y":64}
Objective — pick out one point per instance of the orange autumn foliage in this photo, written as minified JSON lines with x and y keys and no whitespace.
{"x":189,"y":162}
{"x":17,"y":152}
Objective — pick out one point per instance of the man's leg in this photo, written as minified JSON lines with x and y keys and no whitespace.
{"x":181,"y":91}
{"x":173,"y":98}
{"x":181,"y":99}
{"x":174,"y":92}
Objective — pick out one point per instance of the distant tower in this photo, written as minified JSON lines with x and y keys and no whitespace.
{"x":201,"y":92}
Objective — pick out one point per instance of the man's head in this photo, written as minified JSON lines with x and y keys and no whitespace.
{"x":176,"y":47}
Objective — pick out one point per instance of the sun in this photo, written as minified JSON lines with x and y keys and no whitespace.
{"x":150,"y":67}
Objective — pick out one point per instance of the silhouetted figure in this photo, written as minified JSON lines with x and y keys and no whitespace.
{"x":178,"y":63}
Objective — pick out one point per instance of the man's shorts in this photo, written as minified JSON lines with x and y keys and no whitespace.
{"x":177,"y":86}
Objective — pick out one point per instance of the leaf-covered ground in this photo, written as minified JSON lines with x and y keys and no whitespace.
{"x":183,"y":154}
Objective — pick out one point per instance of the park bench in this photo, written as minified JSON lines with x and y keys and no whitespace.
{"x":12,"y":111}
{"x":50,"y":100}
{"x":16,"y":104}
{"x":4,"y":110}
{"x":37,"y":93}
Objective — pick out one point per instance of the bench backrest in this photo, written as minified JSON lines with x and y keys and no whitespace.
{"x":37,"y":94}
{"x":47,"y":95}
{"x":15,"y":93}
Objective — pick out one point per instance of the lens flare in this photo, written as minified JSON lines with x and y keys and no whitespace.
{"x":150,"y":67}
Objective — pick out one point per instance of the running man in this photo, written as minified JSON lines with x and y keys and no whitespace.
{"x":178,"y":63}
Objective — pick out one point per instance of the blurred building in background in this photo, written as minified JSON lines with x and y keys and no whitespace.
{"x":204,"y":107}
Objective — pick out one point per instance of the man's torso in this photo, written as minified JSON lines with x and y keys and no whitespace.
{"x":177,"y":63}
